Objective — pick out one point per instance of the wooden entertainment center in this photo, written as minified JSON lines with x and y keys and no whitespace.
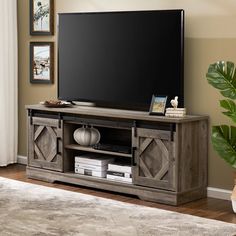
{"x":168,"y":155}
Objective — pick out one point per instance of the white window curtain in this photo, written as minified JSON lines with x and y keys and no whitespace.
{"x":8,"y":82}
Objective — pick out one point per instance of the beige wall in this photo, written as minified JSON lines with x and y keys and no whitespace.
{"x":210,"y":36}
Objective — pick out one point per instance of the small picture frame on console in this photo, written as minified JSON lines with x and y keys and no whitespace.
{"x":158,"y":105}
{"x":41,"y":62}
{"x":41,"y":17}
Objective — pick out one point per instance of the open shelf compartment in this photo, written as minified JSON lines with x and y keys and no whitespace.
{"x":109,"y":135}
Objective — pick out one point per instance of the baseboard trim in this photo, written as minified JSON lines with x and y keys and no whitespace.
{"x":22,"y":160}
{"x":211,"y":192}
{"x":219,"y":193}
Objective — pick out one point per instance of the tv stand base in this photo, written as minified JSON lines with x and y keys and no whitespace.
{"x":144,"y":193}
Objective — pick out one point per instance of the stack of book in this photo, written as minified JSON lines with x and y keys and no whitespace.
{"x":175,"y":112}
{"x":92,"y":165}
{"x":120,"y":172}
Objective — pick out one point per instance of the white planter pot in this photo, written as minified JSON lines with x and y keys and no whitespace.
{"x":233,"y":199}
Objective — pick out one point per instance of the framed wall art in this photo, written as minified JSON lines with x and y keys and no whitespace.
{"x":41,"y":62}
{"x":41,"y":17}
{"x":158,"y":105}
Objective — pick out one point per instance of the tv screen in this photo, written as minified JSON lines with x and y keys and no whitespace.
{"x":119,"y":59}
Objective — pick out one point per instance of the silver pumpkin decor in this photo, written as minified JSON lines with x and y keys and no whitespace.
{"x":86,"y":136}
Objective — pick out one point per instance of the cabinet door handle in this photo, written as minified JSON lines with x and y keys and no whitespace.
{"x":31,"y":116}
{"x":57,"y":147}
{"x":133,"y":156}
{"x":135,"y":128}
{"x":59,"y":120}
{"x":171,"y":132}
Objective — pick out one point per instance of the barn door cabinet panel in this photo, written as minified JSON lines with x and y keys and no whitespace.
{"x":155,"y":160}
{"x":168,"y":155}
{"x":45,"y":143}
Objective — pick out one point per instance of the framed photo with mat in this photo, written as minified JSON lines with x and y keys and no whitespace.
{"x":158,"y":105}
{"x":41,"y":62}
{"x":41,"y":17}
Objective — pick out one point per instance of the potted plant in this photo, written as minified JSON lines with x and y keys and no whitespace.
{"x":222,"y":76}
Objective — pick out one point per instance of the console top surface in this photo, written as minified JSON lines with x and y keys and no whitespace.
{"x":116,"y":113}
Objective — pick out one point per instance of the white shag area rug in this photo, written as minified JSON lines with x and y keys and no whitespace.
{"x":28,"y":209}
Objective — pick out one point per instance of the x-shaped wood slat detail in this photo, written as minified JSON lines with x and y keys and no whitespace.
{"x":39,"y":153}
{"x":41,"y":128}
{"x":145,"y":169}
{"x":38,"y":132}
{"x":164,"y":155}
{"x":52,"y":132}
{"x":52,"y":154}
{"x":144,"y":145}
{"x":162,"y":171}
{"x":163,"y":148}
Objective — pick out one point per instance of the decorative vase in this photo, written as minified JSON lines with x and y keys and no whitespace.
{"x":86,"y":136}
{"x":233,"y":199}
{"x":233,"y":196}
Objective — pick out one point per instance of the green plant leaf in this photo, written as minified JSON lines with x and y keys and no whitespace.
{"x":224,"y":142}
{"x":221,"y":75}
{"x":230,"y":106}
{"x":233,"y":137}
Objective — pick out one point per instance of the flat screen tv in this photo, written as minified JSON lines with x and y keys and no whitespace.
{"x":119,"y":59}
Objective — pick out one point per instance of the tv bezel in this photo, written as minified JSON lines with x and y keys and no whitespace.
{"x":130,"y":106}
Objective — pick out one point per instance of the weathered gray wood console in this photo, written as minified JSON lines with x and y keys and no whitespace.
{"x":168,"y":155}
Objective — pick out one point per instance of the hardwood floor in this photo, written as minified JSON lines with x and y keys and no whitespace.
{"x":209,"y":207}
